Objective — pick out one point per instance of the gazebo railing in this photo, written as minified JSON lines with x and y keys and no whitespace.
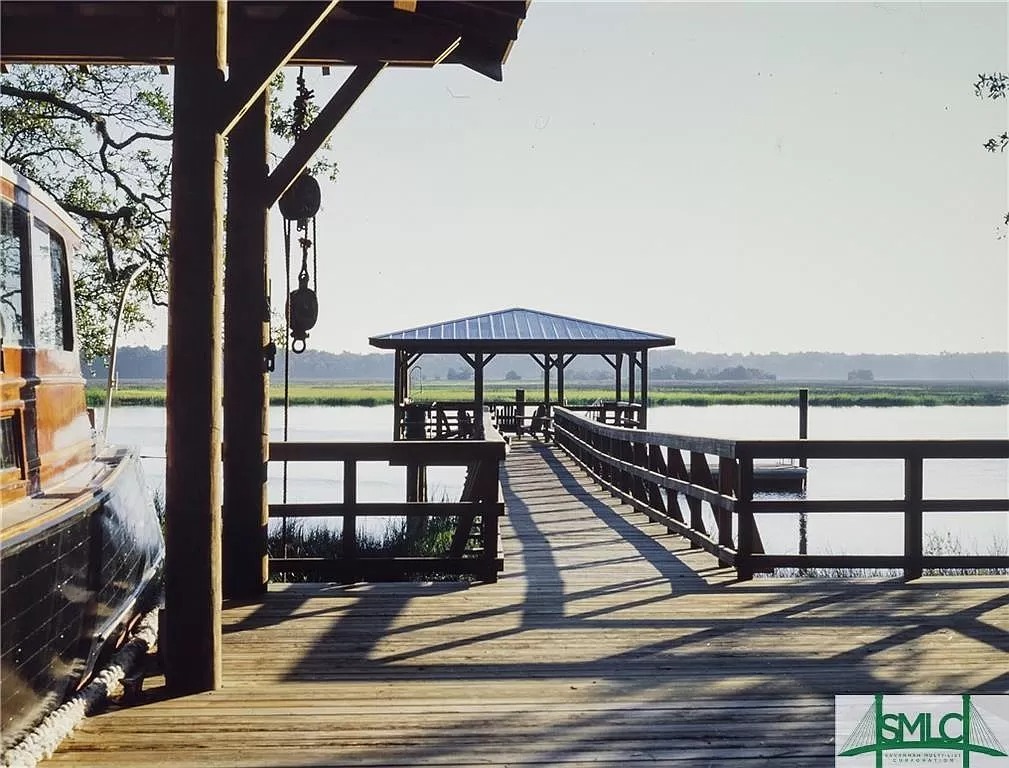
{"x":479,"y":508}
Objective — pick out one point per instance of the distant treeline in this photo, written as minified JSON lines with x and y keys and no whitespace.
{"x":143,"y":363}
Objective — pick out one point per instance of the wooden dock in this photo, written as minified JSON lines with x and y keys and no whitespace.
{"x":606,"y":641}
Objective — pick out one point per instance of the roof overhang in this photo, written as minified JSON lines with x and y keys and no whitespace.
{"x":478,"y":35}
{"x":520,"y":331}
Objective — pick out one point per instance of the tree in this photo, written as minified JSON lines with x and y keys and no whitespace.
{"x":98,"y":140}
{"x":512,"y":376}
{"x":993,"y":86}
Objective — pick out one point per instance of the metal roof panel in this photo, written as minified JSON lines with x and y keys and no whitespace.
{"x":508,"y":327}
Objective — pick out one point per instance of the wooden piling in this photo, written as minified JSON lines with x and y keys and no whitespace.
{"x":246,"y":381}
{"x":192,"y":637}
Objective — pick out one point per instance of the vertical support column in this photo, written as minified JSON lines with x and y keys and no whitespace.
{"x":912,"y":517}
{"x":561,"y":365}
{"x":520,"y":411}
{"x":192,"y":634}
{"x":478,"y":365}
{"x":349,"y":502}
{"x":632,"y":359}
{"x":397,"y":395}
{"x":803,"y":419}
{"x":617,"y":389}
{"x":246,"y":383}
{"x":643,"y":418}
{"x":547,"y":362}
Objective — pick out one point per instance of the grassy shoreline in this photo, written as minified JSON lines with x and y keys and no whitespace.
{"x":694,"y":394}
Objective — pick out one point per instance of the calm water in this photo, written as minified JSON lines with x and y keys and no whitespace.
{"x":846,"y":533}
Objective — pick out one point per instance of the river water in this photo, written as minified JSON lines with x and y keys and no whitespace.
{"x":970,"y":532}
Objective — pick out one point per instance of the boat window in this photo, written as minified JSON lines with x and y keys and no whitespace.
{"x":11,"y":306}
{"x":50,"y":289}
{"x":10,"y":442}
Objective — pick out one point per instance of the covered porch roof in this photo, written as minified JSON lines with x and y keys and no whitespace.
{"x":519,"y":331}
{"x":419,"y":33}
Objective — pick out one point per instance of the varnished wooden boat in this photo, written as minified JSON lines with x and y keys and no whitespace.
{"x":81,"y":548}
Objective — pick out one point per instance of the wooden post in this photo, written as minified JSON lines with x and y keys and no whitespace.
{"x":246,"y":382}
{"x":699,"y":475}
{"x":803,"y":419}
{"x":478,"y":366}
{"x":643,"y":418}
{"x":547,"y":362}
{"x":746,"y":533}
{"x":726,"y":487}
{"x":632,"y":359}
{"x":397,"y":395}
{"x":520,"y":411}
{"x":912,"y":517}
{"x":561,"y":365}
{"x":349,"y":499}
{"x":192,"y":634}
{"x":617,"y":388}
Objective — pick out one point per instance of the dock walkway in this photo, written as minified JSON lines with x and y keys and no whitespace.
{"x":606,"y":642}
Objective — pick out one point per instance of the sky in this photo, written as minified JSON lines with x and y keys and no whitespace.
{"x":748,"y":177}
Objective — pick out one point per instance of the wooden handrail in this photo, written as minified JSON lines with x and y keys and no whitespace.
{"x":485,"y":503}
{"x":632,"y":465}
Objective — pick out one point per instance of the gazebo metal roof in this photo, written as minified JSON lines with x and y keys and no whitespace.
{"x":520,"y":330}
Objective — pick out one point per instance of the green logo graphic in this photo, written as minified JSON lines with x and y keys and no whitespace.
{"x":915,"y":730}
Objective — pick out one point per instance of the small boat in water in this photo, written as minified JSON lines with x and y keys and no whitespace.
{"x":81,"y":548}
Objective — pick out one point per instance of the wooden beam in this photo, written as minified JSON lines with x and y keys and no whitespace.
{"x":246,"y":381}
{"x":145,"y":36}
{"x":274,"y":50}
{"x":299,"y":155}
{"x":192,"y":633}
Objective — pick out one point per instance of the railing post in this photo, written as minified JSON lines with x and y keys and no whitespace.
{"x":489,"y":494}
{"x":912,"y":516}
{"x":698,"y":471}
{"x":726,"y":487}
{"x":349,"y":498}
{"x":745,"y":527}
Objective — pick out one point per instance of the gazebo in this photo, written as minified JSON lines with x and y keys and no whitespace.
{"x":552,"y":340}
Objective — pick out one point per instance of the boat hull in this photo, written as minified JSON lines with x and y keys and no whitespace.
{"x":84,"y":562}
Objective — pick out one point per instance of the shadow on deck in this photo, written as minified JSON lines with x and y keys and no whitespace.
{"x":606,"y":641}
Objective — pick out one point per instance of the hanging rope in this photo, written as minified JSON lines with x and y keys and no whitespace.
{"x":300,"y":203}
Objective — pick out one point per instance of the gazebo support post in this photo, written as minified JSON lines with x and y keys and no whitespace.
{"x":619,"y":377}
{"x":245,"y":516}
{"x":192,"y":635}
{"x":478,"y":397}
{"x":398,"y":395}
{"x":632,"y":360}
{"x":561,"y":364}
{"x":547,"y":362}
{"x":643,"y":420}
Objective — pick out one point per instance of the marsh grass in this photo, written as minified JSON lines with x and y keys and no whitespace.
{"x":320,"y":540}
{"x":379,"y":393}
{"x":934,"y":543}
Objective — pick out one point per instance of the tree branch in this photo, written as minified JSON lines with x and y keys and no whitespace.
{"x":95,"y":120}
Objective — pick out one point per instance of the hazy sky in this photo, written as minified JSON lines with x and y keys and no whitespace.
{"x":745,"y":177}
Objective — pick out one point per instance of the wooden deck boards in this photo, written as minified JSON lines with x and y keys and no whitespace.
{"x":605,"y":642}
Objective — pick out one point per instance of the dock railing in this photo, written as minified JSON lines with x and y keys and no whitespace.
{"x":649,"y":470}
{"x":481,"y":502}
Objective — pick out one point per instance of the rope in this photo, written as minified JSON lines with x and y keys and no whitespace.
{"x":287,"y":368}
{"x":46,"y":737}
